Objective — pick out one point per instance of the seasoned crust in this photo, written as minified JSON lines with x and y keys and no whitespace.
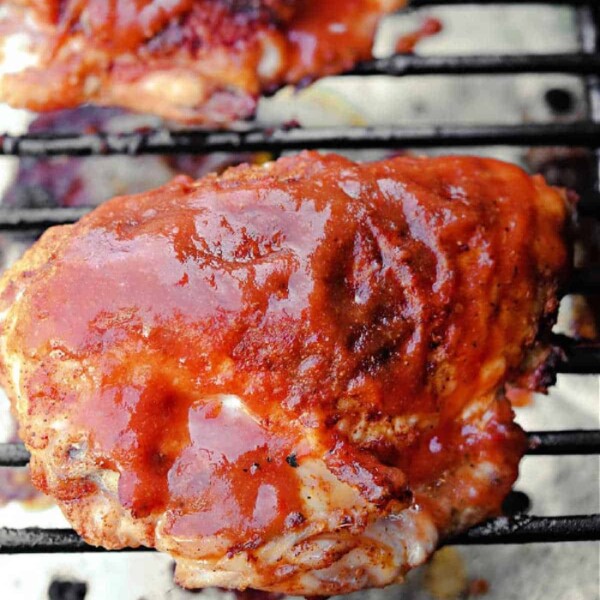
{"x":290,"y":377}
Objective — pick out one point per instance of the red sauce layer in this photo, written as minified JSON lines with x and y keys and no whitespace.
{"x":315,"y":290}
{"x":407,"y":43}
{"x":317,"y":31}
{"x":197,"y":61}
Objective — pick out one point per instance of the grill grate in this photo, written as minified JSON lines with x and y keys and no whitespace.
{"x":584,"y":134}
{"x":578,"y":357}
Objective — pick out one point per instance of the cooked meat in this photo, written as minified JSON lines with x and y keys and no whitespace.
{"x":290,"y":377}
{"x":198,"y":61}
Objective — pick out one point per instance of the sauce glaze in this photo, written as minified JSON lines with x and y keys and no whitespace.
{"x":197,"y":61}
{"x":221,"y":332}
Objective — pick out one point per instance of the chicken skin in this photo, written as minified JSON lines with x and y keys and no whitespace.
{"x":196,"y":61}
{"x":290,"y":376}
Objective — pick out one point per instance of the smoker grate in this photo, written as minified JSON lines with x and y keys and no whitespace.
{"x":578,"y":357}
{"x":162,"y":141}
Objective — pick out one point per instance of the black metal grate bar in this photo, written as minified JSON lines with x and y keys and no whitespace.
{"x":554,"y":443}
{"x":581,"y":134}
{"x":413,"y":64}
{"x":589,"y":205}
{"x":581,"y":360}
{"x":13,"y":455}
{"x":521,"y":529}
{"x":18,"y":219}
{"x":22,"y":219}
{"x":581,"y":357}
{"x":548,"y":443}
{"x":585,"y":281}
{"x":526,"y":529}
{"x":33,"y":540}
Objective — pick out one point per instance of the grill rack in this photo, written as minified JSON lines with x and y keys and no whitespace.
{"x":579,"y":357}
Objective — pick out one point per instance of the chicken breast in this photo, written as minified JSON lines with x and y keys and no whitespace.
{"x":289,"y":377}
{"x":197,"y":61}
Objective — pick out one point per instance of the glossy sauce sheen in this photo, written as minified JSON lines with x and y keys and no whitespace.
{"x":317,"y":31}
{"x":196,"y":61}
{"x":214,"y":324}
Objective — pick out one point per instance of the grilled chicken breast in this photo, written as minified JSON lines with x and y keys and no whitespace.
{"x":289,"y":377}
{"x":197,"y":61}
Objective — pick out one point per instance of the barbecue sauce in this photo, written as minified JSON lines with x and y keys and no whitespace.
{"x":407,"y":43}
{"x":224,"y":331}
{"x":134,"y":38}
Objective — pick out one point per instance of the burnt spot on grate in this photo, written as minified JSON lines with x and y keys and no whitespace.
{"x":61,"y":589}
